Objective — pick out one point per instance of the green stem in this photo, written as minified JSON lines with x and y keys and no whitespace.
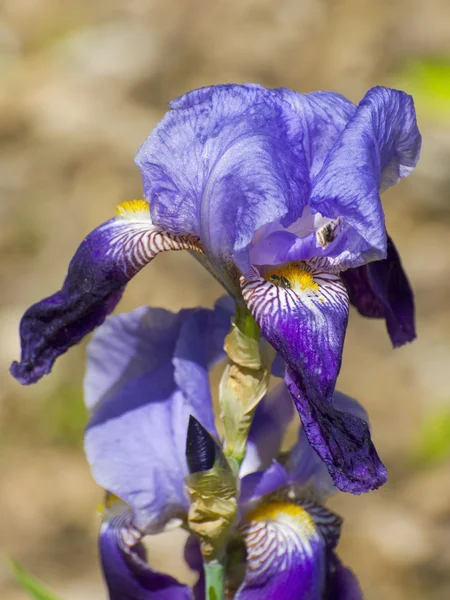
{"x":245,"y":322}
{"x":214,"y":580}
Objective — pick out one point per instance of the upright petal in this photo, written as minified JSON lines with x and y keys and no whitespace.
{"x":381,"y":290}
{"x":101,"y":267}
{"x":126,"y":572}
{"x":246,"y":154}
{"x":379,"y":146}
{"x":287,"y":550}
{"x":141,"y":403}
{"x":303,"y":312}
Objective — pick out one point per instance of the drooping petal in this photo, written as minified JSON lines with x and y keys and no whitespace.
{"x":101,"y":267}
{"x":342,"y":582}
{"x":126,"y":572}
{"x":141,"y":404}
{"x":303,"y":312}
{"x":379,"y":146}
{"x":272,"y":416}
{"x":287,"y":549}
{"x":381,"y":290}
{"x":228,"y":159}
{"x":304,"y":465}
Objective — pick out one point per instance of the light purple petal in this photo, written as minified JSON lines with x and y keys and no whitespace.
{"x":256,"y":485}
{"x":287,"y":551}
{"x":305,"y":320}
{"x":381,"y":290}
{"x":272,"y":416}
{"x":101,"y":267}
{"x":228,"y":159}
{"x":342,"y":582}
{"x":126,"y":572}
{"x":305,"y":466}
{"x":379,"y":146}
{"x":136,"y":438}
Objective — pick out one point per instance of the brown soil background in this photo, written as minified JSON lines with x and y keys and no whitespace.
{"x":82,"y":85}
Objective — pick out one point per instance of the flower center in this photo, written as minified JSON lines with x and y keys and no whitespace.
{"x":284,"y":512}
{"x":295,"y":275}
{"x":132,"y":209}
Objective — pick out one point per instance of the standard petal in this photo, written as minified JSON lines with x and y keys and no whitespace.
{"x":287,"y":550}
{"x":379,"y":146}
{"x":101,"y":267}
{"x":272,"y":416}
{"x":304,"y":465}
{"x":303,"y":312}
{"x":126,"y":572}
{"x":381,"y":290}
{"x":246,"y":154}
{"x":258,"y":484}
{"x":141,"y":403}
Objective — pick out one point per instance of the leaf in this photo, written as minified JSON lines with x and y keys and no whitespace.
{"x":31,"y":585}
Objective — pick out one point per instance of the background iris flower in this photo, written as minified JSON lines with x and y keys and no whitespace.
{"x":276,"y":193}
{"x":147,"y":374}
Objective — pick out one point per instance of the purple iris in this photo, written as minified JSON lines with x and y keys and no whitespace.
{"x":147,"y":374}
{"x":278,"y":195}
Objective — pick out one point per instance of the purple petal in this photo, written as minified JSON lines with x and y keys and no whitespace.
{"x":272,"y":416}
{"x":194,"y":560}
{"x":136,"y":438}
{"x":287,"y":551}
{"x":379,"y":146}
{"x":104,"y":262}
{"x":342,"y":583}
{"x":381,"y":290}
{"x":228,"y":159}
{"x":125,"y":569}
{"x":305,"y":317}
{"x":305,"y":466}
{"x":256,"y":485}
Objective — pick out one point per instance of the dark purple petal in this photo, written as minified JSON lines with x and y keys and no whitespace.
{"x":381,"y":290}
{"x":272,"y":416}
{"x":126,"y":572}
{"x":287,"y":550}
{"x":228,"y":159}
{"x":379,"y":146}
{"x":304,"y":316}
{"x":141,"y":368}
{"x":104,"y":262}
{"x":342,"y":583}
{"x":194,"y":560}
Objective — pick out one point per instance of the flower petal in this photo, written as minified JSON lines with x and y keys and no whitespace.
{"x":342,"y":583}
{"x":304,"y":316}
{"x":126,"y":572}
{"x":247,"y":155}
{"x":101,"y":267}
{"x":381,"y":290}
{"x":287,"y":549}
{"x":304,"y":465}
{"x":272,"y":416}
{"x":141,"y":403}
{"x":379,"y":146}
{"x":258,"y":484}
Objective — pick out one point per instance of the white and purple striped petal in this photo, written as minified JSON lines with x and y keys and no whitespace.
{"x":303,"y":312}
{"x":101,"y":267}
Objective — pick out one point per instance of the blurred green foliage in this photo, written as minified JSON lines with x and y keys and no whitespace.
{"x":433,"y":442}
{"x":428,"y":81}
{"x":31,"y":585}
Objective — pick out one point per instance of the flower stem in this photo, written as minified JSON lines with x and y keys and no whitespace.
{"x":214,"y":580}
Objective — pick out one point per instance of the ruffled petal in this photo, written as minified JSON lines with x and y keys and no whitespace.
{"x":287,"y":551}
{"x":304,"y":465}
{"x":379,"y":146}
{"x":272,"y":416}
{"x":381,"y":290}
{"x":126,"y":572}
{"x":141,"y":369}
{"x":303,"y":312}
{"x":228,"y":159}
{"x":101,"y":267}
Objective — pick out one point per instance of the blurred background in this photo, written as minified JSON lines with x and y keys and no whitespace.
{"x":82,"y":85}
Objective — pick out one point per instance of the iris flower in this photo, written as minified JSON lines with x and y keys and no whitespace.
{"x":147,"y":381}
{"x":278,"y":195}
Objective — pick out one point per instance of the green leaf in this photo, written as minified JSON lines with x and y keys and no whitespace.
{"x":31,"y":585}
